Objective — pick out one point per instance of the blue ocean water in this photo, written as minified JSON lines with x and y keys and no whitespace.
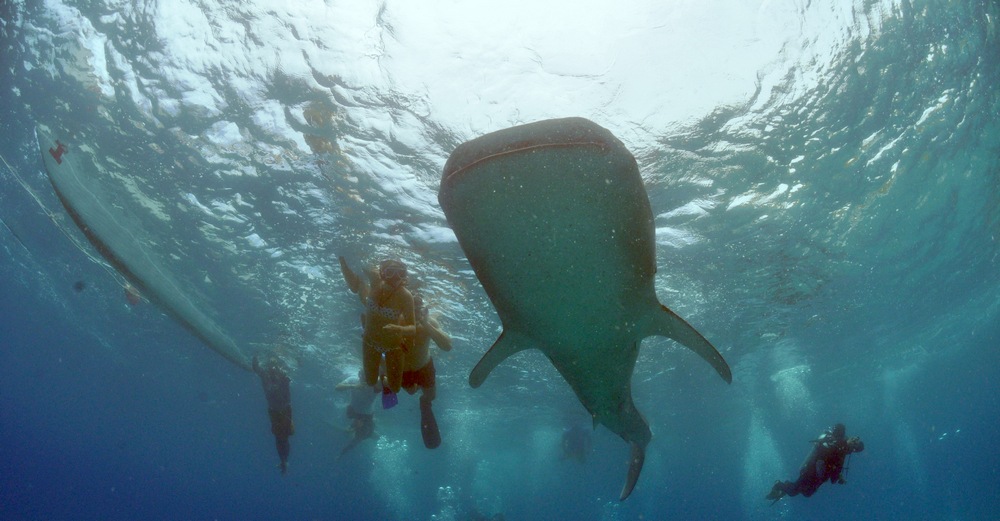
{"x":825,"y":183}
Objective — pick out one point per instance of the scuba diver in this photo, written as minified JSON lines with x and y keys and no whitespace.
{"x":825,"y":463}
{"x":274,"y":378}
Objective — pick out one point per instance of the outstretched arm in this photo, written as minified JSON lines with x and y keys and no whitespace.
{"x":432,"y":328}
{"x":354,"y":282}
{"x":439,"y":337}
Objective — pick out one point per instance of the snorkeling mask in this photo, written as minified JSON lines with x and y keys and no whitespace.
{"x":392,"y":272}
{"x":419,"y":311}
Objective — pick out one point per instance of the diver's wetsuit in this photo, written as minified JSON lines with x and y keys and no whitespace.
{"x":825,"y":463}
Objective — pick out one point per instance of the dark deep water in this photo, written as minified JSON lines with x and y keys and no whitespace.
{"x":826,"y":184}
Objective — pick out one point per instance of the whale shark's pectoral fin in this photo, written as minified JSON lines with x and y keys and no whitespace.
{"x":635,"y":461}
{"x":670,"y":325}
{"x":506,"y":345}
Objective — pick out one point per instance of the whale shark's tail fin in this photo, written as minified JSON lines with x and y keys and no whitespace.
{"x":635,"y":430}
{"x":670,"y":325}
{"x":635,"y":461}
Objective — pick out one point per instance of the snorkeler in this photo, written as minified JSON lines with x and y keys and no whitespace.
{"x":417,"y":366}
{"x":824,"y":463}
{"x":387,"y":304}
{"x":418,"y":372}
{"x":359,"y":410}
{"x":274,"y":378}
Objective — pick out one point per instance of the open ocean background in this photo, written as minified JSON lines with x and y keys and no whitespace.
{"x":825,"y":177}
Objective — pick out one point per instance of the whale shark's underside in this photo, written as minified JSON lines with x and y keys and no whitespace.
{"x":555,"y":221}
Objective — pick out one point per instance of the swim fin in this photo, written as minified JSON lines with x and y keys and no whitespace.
{"x":776,"y":493}
{"x":389,"y":398}
{"x":428,"y":425}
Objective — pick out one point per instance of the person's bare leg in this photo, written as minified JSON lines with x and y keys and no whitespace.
{"x":394,"y":369}
{"x":370,"y":362}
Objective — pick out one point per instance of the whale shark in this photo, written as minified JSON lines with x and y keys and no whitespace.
{"x":555,"y":221}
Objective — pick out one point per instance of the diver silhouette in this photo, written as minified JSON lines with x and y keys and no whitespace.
{"x":274,"y":378}
{"x":824,"y":463}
